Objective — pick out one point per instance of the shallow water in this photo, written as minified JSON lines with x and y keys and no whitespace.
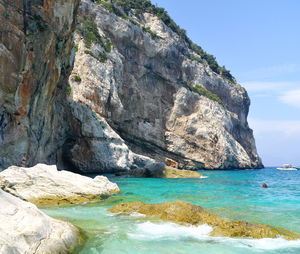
{"x":231,"y":194}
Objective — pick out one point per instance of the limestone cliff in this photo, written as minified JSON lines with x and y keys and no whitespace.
{"x":37,"y":121}
{"x":161,"y":93}
{"x":140,"y":91}
{"x":35,"y":60}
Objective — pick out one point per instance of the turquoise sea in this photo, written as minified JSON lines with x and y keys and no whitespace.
{"x":236,"y":195}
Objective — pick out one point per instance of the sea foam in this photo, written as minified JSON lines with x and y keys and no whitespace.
{"x":135,"y":214}
{"x":166,"y":230}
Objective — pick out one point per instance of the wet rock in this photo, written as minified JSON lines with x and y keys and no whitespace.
{"x":185,"y":213}
{"x":170,"y":172}
{"x":160,"y":170}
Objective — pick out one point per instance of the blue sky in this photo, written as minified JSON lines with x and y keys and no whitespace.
{"x":259,"y":41}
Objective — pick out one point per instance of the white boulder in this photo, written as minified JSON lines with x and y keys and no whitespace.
{"x":25,"y":229}
{"x":44,"y":185}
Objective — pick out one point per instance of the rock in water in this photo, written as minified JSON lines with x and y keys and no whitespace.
{"x":26,"y":230}
{"x":170,"y":172}
{"x":44,"y":185}
{"x":160,"y":170}
{"x":181,"y":212}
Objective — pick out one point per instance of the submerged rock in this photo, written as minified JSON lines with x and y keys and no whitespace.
{"x":44,"y":185}
{"x":170,"y":172}
{"x":181,"y":212}
{"x":25,"y":229}
{"x":160,"y":170}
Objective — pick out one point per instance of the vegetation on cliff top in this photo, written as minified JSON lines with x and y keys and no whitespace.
{"x":141,"y":6}
{"x":112,"y":8}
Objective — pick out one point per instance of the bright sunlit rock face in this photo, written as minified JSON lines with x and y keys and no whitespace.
{"x":137,"y":74}
{"x":25,"y":229}
{"x":44,"y":185}
{"x":134,"y":96}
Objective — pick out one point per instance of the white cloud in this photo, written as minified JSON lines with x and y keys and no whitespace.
{"x":291,"y":97}
{"x":260,"y":86}
{"x":286,"y":92}
{"x":286,"y":128}
{"x":277,"y":141}
{"x":271,"y":71}
{"x":278,"y":69}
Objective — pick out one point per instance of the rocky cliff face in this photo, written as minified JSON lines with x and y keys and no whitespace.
{"x":147,"y":82}
{"x":35,"y":48}
{"x":135,"y":95}
{"x":37,"y":121}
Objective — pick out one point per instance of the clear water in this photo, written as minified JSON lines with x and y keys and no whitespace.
{"x":235,"y":195}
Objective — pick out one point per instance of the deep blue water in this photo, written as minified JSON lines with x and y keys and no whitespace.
{"x":236,"y":195}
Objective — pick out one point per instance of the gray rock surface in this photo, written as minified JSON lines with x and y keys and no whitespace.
{"x":127,"y":103}
{"x":96,"y":147}
{"x":142,"y":91}
{"x":36,"y":56}
{"x":26,"y":230}
{"x":160,"y":170}
{"x":37,"y":121}
{"x":45,"y":185}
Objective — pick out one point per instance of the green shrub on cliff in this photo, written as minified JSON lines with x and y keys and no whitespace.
{"x":195,"y":58}
{"x":101,"y":57}
{"x":107,"y":45}
{"x":226,"y":74}
{"x":89,"y":31}
{"x":153,"y":34}
{"x":202,"y":91}
{"x":142,"y":6}
{"x":111,"y":8}
{"x":77,"y":78}
{"x":68,"y":89}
